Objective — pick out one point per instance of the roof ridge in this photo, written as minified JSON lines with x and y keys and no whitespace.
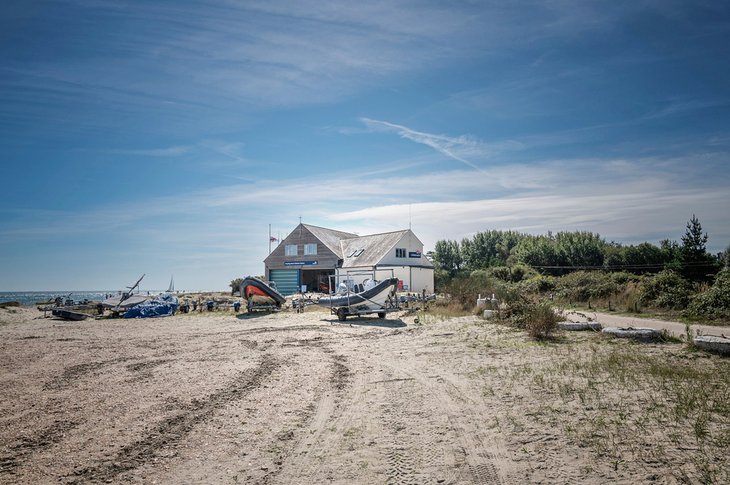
{"x":328,"y":229}
{"x":384,"y":233}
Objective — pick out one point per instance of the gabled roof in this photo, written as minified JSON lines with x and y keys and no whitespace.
{"x":375,"y":247}
{"x":330,"y":237}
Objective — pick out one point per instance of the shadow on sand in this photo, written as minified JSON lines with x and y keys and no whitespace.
{"x":250,"y":316}
{"x":367,"y":322}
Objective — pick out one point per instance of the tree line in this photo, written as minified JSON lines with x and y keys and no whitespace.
{"x":564,"y":252}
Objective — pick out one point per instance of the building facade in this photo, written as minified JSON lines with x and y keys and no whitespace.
{"x":309,"y":255}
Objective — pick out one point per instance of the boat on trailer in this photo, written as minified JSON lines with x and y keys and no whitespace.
{"x":260,"y":296}
{"x":363,"y":299}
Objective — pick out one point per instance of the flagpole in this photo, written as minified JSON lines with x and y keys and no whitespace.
{"x":269,"y":238}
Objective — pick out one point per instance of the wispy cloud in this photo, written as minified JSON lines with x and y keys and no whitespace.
{"x":461,"y":148}
{"x":596,"y":193}
{"x":173,"y":151}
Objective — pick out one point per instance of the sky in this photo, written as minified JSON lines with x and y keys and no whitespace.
{"x":162,"y":138}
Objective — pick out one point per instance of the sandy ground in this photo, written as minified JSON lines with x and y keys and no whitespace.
{"x":290,"y":398}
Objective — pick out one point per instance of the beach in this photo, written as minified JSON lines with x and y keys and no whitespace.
{"x":220,"y":397}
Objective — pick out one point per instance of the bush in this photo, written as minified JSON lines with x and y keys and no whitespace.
{"x":715,"y":302}
{"x":537,"y":284}
{"x":513,"y":274}
{"x":587,"y":285}
{"x":666,"y":290}
{"x":501,"y":272}
{"x":624,"y":278}
{"x":464,"y":289}
{"x":539,"y":319}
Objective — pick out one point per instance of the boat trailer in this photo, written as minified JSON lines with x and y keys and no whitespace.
{"x":390,"y":305}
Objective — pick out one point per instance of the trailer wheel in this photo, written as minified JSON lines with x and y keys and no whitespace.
{"x":341,"y":314}
{"x":381,"y":315}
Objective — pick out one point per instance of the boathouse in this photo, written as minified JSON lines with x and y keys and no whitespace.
{"x":305,"y":259}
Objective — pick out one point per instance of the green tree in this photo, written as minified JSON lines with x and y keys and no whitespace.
{"x":724,"y":258}
{"x":235,"y":285}
{"x":447,"y":256}
{"x":697,"y":263}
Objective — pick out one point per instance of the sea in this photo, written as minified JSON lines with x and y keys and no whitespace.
{"x":31,"y":298}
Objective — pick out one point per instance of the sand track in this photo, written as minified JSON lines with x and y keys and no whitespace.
{"x":285,"y":398}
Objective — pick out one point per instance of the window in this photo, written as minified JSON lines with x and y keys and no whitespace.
{"x":355,"y":253}
{"x":290,"y":250}
{"x":310,"y":249}
{"x":400,"y":252}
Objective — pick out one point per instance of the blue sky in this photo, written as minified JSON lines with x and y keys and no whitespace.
{"x":164,"y":137}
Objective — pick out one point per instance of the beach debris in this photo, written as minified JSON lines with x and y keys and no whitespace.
{"x":712,"y":343}
{"x":7,"y":304}
{"x":579,"y":326}
{"x":642,"y":334}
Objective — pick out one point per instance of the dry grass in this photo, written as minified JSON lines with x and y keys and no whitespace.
{"x":636,"y":404}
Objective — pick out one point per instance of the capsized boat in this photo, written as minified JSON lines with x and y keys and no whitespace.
{"x":163,"y":305}
{"x":68,"y":314}
{"x":254,"y":289}
{"x":372,"y":296}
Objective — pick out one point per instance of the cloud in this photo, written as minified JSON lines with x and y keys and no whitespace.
{"x":459,"y":148}
{"x":624,"y":214}
{"x":173,"y":151}
{"x":620,"y":197}
{"x":201,"y":235}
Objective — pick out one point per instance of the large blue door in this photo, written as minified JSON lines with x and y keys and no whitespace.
{"x":287,"y":280}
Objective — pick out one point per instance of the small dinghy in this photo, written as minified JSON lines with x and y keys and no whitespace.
{"x":259,"y":295}
{"x":68,"y":314}
{"x":370,"y":297}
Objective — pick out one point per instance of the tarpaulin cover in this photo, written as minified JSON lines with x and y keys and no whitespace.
{"x":163,"y":305}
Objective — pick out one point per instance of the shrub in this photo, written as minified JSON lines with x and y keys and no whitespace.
{"x":667,"y":289}
{"x":521,"y":272}
{"x":623,"y":278}
{"x":586,"y":285}
{"x":715,"y":302}
{"x":537,"y":284}
{"x":501,"y":272}
{"x":464,"y":289}
{"x":539,"y":319}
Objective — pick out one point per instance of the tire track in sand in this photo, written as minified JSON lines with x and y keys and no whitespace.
{"x":174,"y":428}
{"x":480,"y":459}
{"x":334,"y":410}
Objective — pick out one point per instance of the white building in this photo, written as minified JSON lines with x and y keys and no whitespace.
{"x":309,"y":255}
{"x":398,"y":253}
